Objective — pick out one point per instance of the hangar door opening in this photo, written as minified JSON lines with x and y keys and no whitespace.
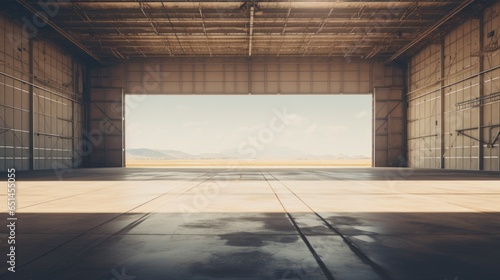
{"x":257,"y":130}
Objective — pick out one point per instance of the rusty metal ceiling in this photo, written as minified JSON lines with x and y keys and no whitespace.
{"x":125,"y":29}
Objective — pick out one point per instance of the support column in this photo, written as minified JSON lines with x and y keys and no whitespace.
{"x":74,"y":67}
{"x":249,"y":86}
{"x":31,"y":108}
{"x":481,"y":94}
{"x":404,"y":136}
{"x":85,"y":115}
{"x":441,"y":101}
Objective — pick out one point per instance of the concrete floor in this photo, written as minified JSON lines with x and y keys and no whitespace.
{"x":272,"y":223}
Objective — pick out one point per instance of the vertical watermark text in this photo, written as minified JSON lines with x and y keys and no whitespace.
{"x":11,"y":219}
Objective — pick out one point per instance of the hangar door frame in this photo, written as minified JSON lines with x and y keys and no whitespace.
{"x":272,"y":75}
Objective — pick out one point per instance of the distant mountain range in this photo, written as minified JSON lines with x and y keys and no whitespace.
{"x":270,"y":152}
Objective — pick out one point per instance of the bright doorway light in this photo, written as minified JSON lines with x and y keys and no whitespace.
{"x":279,"y":129}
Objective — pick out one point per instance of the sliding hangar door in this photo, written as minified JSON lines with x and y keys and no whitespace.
{"x":264,"y":76}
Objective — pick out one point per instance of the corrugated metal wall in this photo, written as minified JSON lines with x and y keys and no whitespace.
{"x":40,"y":102}
{"x":423,"y":111}
{"x":453,"y":98}
{"x":388,"y":127}
{"x":14,"y":97}
{"x":491,"y":87}
{"x":106,"y":123}
{"x":287,"y":75}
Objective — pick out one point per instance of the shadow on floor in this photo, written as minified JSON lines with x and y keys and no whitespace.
{"x":253,"y":246}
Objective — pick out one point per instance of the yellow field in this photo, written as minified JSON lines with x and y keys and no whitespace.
{"x":259,"y":163}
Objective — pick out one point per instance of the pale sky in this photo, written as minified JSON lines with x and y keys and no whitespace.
{"x":313,"y":124}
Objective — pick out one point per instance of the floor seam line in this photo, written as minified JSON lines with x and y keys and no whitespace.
{"x":322,"y":265}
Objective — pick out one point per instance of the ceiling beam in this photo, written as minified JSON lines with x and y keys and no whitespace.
{"x":59,"y":30}
{"x":427,"y":12}
{"x":142,"y":22}
{"x":200,"y":37}
{"x":205,"y":30}
{"x":429,"y":30}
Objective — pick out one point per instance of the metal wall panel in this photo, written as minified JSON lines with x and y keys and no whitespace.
{"x":454,"y":88}
{"x":423,"y":131}
{"x":40,"y":102}
{"x":106,"y":127}
{"x":388,"y":127}
{"x":303,"y":75}
{"x":424,"y":110}
{"x":459,"y":64}
{"x":54,"y":108}
{"x":491,"y":87}
{"x":14,"y":96}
